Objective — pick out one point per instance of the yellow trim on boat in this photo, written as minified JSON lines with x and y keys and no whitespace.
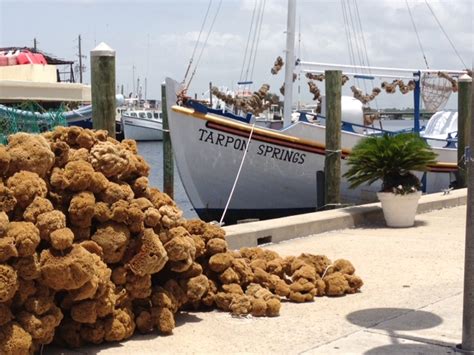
{"x":264,"y":132}
{"x":243,"y":127}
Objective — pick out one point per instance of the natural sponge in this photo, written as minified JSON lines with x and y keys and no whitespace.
{"x":8,"y":282}
{"x":66,"y":272}
{"x":109,"y":159}
{"x":25,"y":186}
{"x":29,"y":152}
{"x":14,"y":340}
{"x":151,"y":256}
{"x":89,"y":251}
{"x":113,"y":238}
{"x":25,"y":236}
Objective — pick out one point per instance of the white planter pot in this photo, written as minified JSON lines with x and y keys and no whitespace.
{"x":399,"y":210}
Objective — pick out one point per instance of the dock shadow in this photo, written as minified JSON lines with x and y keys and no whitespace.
{"x":380,"y":318}
{"x":411,"y":348}
{"x":391,"y":321}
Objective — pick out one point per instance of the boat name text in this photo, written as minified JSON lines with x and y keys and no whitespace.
{"x":264,"y":150}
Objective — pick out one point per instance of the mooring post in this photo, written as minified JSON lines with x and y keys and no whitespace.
{"x":168,"y":165}
{"x":416,"y":102}
{"x":210,"y":94}
{"x":332,"y":161}
{"x":103,"y":88}
{"x":320,"y":184}
{"x":468,"y":306}
{"x":464,"y":124}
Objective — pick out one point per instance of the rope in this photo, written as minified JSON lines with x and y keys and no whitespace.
{"x":444,"y":32}
{"x":417,"y":35}
{"x":237,"y":177}
{"x":204,"y":45}
{"x":330,"y":152}
{"x":326,"y":270}
{"x":197,"y":41}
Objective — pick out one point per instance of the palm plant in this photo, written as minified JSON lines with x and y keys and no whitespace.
{"x":390,"y":158}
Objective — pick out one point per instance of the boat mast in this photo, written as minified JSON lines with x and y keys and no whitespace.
{"x":290,"y":62}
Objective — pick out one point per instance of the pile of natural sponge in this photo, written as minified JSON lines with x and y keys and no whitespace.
{"x":89,"y":252}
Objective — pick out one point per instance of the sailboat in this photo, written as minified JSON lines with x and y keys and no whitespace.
{"x":233,"y":169}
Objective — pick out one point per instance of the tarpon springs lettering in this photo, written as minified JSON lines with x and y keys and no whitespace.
{"x":264,"y":150}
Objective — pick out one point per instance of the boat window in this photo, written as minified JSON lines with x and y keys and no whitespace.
{"x":149,"y":115}
{"x":133,"y":114}
{"x":155,"y":115}
{"x":141,"y":114}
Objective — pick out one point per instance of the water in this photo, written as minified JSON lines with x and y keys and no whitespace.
{"x":153,"y":154}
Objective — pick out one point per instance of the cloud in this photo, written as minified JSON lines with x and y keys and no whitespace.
{"x":173,"y":28}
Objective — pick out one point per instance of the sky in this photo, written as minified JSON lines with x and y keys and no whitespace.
{"x":155,"y":39}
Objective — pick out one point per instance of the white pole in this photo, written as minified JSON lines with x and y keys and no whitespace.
{"x":388,"y":76}
{"x":290,"y":62}
{"x":385,"y":69}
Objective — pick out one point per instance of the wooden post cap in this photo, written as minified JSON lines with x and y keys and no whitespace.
{"x":465,"y":79}
{"x":102,"y":50}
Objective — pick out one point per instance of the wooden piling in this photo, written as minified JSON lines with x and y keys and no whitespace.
{"x":464,"y":125}
{"x":103,"y":88}
{"x":168,"y":164}
{"x":332,"y":161}
{"x":468,"y":304}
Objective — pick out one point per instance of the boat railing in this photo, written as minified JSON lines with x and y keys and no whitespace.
{"x":346,"y":126}
{"x":450,"y":141}
{"x":199,"y":107}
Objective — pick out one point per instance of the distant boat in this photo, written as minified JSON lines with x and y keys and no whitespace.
{"x":142,"y":125}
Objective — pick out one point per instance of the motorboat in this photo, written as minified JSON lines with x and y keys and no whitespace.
{"x":142,"y":125}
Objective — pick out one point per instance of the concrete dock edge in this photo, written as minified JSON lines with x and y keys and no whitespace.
{"x":281,"y":229}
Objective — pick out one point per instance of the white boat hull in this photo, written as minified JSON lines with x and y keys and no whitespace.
{"x":278,"y":176}
{"x":142,"y":129}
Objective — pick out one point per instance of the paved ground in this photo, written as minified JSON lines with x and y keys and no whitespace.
{"x":411,"y":302}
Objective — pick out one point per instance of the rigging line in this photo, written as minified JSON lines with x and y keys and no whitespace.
{"x":248,"y":41}
{"x":445,"y":33}
{"x":258,"y":38}
{"x":356,"y":40}
{"x":362,"y":36}
{"x":253,"y":42}
{"x":365,"y":47}
{"x":197,"y":41}
{"x":345,"y":30}
{"x":349,"y":38}
{"x":417,"y":35}
{"x":359,"y":34}
{"x":204,"y":45}
{"x":354,"y":33}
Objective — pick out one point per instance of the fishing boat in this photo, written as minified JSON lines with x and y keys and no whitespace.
{"x":142,"y":125}
{"x":234,"y":169}
{"x":270,"y":173}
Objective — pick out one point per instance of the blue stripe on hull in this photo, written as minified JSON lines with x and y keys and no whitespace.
{"x":234,"y":215}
